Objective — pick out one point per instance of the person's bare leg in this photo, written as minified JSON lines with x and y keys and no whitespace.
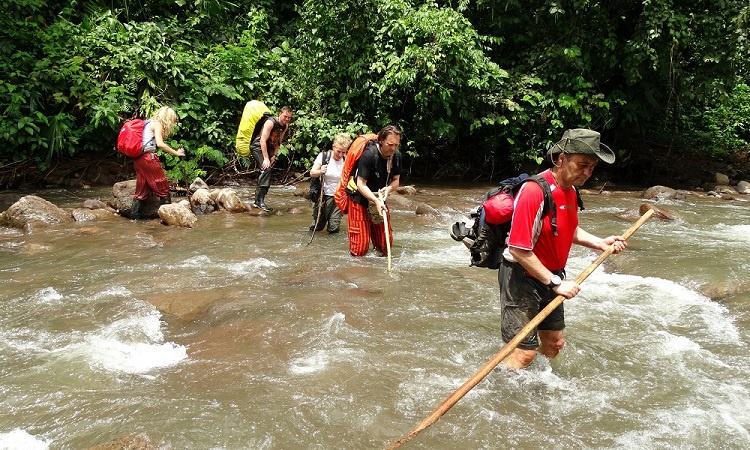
{"x":519,"y":358}
{"x":551,"y":342}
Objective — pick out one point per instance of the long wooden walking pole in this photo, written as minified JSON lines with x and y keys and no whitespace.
{"x":510,"y":346}
{"x":387,"y":235}
{"x":187,"y":185}
{"x":320,"y":208}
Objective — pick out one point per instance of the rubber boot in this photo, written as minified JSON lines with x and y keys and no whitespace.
{"x":262,"y":203}
{"x":256,"y":202}
{"x":135,"y":209}
{"x":166,"y":200}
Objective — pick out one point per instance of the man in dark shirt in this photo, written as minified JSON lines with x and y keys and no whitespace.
{"x":378,"y":172}
{"x":264,"y":148}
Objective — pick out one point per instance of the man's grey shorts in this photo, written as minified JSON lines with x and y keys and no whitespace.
{"x":522,"y":297}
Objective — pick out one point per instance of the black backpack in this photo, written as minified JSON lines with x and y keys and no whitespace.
{"x":316,"y":183}
{"x":259,"y":125}
{"x":486,"y":241}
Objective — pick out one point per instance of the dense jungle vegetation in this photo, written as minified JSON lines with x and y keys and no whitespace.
{"x":481,"y":88}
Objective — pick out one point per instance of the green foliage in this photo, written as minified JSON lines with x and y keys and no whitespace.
{"x":315,"y":133}
{"x":86,"y":78}
{"x":194,"y":164}
{"x":388,"y":61}
{"x":724,"y":126}
{"x":430,"y":67}
{"x":630,"y":69}
{"x":480,"y":86}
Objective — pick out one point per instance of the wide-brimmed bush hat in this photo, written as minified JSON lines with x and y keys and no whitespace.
{"x":583,"y":141}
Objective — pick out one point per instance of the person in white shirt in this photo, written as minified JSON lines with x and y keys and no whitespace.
{"x":330,"y":174}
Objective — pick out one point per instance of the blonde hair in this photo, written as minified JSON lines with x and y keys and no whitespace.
{"x":167,"y":117}
{"x":342,"y":140}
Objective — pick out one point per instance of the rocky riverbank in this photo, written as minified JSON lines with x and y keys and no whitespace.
{"x":726,"y":179}
{"x":678,"y":171}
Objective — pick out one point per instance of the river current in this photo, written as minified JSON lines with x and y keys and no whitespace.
{"x":276,"y":344}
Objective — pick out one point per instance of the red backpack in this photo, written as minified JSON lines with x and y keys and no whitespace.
{"x":130,"y":139}
{"x":492,"y":220}
{"x":341,"y":196}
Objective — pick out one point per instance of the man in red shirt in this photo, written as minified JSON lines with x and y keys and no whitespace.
{"x":533,"y":270}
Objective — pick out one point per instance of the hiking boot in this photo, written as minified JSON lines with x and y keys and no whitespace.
{"x":135,"y":209}
{"x":260,"y":199}
{"x":166,"y":200}
{"x":264,"y":207}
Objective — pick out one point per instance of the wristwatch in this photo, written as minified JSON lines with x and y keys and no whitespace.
{"x":554,"y":281}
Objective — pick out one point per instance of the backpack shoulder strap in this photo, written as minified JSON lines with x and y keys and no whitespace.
{"x":578,"y":197}
{"x":549,"y":202}
{"x":326,"y":157}
{"x":365,"y":149}
{"x":546,"y":190}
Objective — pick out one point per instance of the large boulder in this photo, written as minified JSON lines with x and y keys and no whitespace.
{"x":202,"y":203}
{"x":228,"y":199}
{"x":743,"y":187}
{"x":721,"y":179}
{"x":663,"y":193}
{"x":177,"y":214}
{"x":31,"y":211}
{"x":123,"y":200}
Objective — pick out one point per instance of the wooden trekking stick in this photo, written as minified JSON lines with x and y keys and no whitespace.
{"x":184,"y":174}
{"x":510,"y":346}
{"x":320,"y":209}
{"x":387,"y":237}
{"x":185,"y":179}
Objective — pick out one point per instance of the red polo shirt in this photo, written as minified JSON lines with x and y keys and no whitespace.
{"x":529,"y":231}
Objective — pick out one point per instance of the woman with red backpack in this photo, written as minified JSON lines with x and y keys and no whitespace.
{"x":150,"y":176}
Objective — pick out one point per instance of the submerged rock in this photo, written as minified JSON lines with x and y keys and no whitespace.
{"x":659,"y":212}
{"x":90,"y":215}
{"x":723,"y":289}
{"x":407,"y":190}
{"x":425,"y":209}
{"x":128,"y":442}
